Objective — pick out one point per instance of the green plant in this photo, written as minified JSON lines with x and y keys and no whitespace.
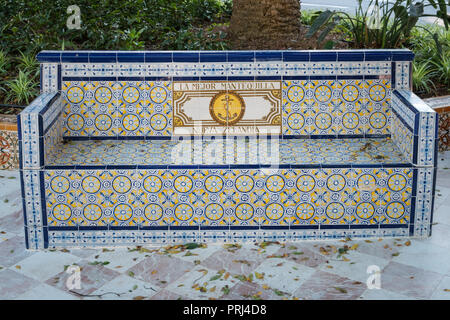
{"x":131,"y":39}
{"x":22,"y":89}
{"x":308,"y":17}
{"x":4,"y":63}
{"x":388,"y":27}
{"x":422,"y":77}
{"x":442,"y":67}
{"x":29,"y":64}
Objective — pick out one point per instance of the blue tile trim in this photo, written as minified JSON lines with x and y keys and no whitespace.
{"x":175,"y":228}
{"x":315,"y":56}
{"x":399,"y":117}
{"x":433,"y":199}
{"x":49,"y":103}
{"x":131,"y":57}
{"x":405,"y":101}
{"x":102,"y":56}
{"x":268,"y":56}
{"x":404,"y":55}
{"x":290,"y":56}
{"x":393,"y":75}
{"x":206,"y":56}
{"x":186,"y":56}
{"x":228,"y":166}
{"x":154,"y":228}
{"x":27,"y":244}
{"x":240,"y":56}
{"x":158,"y":57}
{"x":224,"y":56}
{"x":350,"y":56}
{"x":334,"y":226}
{"x":392,"y":226}
{"x":69,"y":56}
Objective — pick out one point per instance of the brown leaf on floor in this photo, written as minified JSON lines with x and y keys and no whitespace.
{"x":138,"y":298}
{"x":341,"y":290}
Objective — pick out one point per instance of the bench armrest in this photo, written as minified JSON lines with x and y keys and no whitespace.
{"x":414,"y":128}
{"x":39,"y":129}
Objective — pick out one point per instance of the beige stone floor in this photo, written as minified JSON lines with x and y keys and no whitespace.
{"x":409,"y":269}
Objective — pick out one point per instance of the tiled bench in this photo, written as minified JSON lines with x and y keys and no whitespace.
{"x":131,"y":148}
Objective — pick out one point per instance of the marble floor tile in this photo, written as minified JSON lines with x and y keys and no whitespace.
{"x":160,"y":270}
{"x":13,"y":284}
{"x":11,"y":251}
{"x":381,"y":294}
{"x":442,"y":292}
{"x":425,"y":255}
{"x":201,"y":283}
{"x":125,"y":287}
{"x":409,"y":281}
{"x":285,"y":276}
{"x":328,"y":286}
{"x":45,"y":292}
{"x":54,"y":262}
{"x":92,"y":278}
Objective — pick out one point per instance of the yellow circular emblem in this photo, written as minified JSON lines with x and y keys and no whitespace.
{"x":227,"y":108}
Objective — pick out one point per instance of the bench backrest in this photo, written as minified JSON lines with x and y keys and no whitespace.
{"x":109,"y":94}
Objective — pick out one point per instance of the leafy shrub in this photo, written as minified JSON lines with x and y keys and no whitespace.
{"x":22,"y":89}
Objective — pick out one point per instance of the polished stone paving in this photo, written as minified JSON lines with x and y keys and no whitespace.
{"x":409,"y":269}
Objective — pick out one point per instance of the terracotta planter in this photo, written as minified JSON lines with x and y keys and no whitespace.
{"x":9,"y":149}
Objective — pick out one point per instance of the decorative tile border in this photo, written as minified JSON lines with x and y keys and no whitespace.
{"x":9,"y":145}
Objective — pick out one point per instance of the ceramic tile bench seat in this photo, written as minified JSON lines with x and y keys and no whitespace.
{"x":244,"y":151}
{"x":131,"y":148}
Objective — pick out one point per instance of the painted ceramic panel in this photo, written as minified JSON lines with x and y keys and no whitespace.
{"x":228,"y":197}
{"x":117,"y":108}
{"x":227,"y":107}
{"x":334,"y":107}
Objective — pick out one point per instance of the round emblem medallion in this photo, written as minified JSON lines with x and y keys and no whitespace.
{"x":227,"y":108}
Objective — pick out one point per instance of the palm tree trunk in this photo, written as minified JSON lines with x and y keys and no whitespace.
{"x":265,"y":24}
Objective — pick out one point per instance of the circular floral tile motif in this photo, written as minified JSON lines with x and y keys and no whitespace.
{"x":90,"y":184}
{"x":335,"y":210}
{"x":121,"y":184}
{"x":123,"y":212}
{"x":336,"y":182}
{"x":365,"y":210}
{"x":296,"y":121}
{"x":274,"y":211}
{"x":130,"y":94}
{"x":366,"y":181}
{"x":103,"y":95}
{"x":158,"y":94}
{"x":350,"y":93}
{"x":158,"y":122}
{"x":323,"y":121}
{"x":183,"y":212}
{"x":75,"y":122}
{"x":395,"y":210}
{"x":75,"y":94}
{"x":153,"y":212}
{"x":304,"y":211}
{"x":152,"y":184}
{"x":350,"y":120}
{"x":397,"y":182}
{"x":60,"y":184}
{"x":92,"y":212}
{"x":183,"y":184}
{"x":130,"y":122}
{"x":306,"y":183}
{"x":295,"y":93}
{"x":213,"y":184}
{"x":103,"y":122}
{"x":377,"y":120}
{"x":62,"y":212}
{"x":214,"y":211}
{"x":323,"y":93}
{"x":275,"y":183}
{"x":5,"y":151}
{"x":377,"y":92}
{"x":244,"y":211}
{"x":244,"y":183}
